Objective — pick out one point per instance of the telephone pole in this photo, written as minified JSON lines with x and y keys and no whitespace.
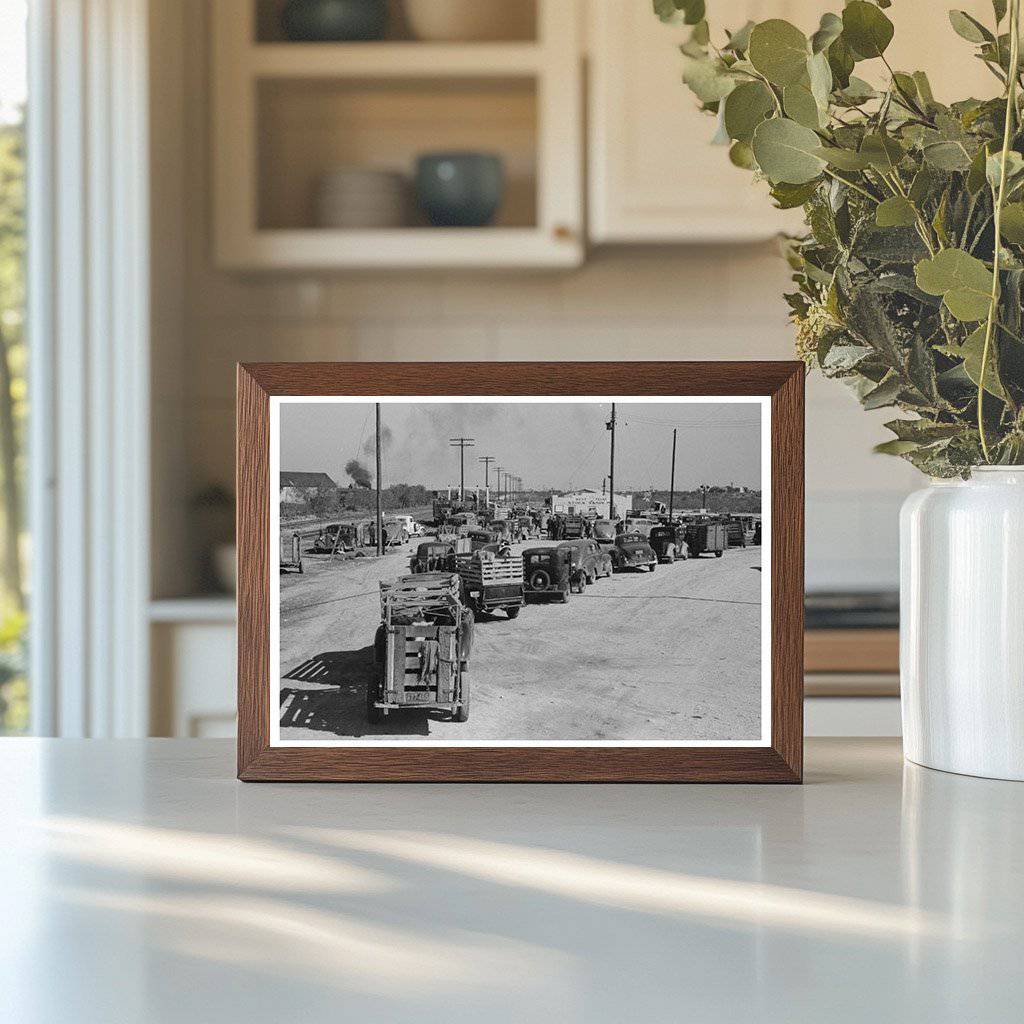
{"x":462,"y":443}
{"x":380,"y":518}
{"x":672,"y":485}
{"x":487,"y":460}
{"x":611,"y":468}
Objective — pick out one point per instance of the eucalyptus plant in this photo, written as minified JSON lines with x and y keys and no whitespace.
{"x":910,"y":277}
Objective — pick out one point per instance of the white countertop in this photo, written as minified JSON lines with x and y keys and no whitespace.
{"x":140,"y":882}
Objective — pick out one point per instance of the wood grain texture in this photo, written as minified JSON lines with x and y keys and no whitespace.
{"x":781,"y":762}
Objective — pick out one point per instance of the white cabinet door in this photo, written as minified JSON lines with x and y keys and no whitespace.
{"x":654,"y":177}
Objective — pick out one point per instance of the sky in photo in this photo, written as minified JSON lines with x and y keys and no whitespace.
{"x":549,"y":445}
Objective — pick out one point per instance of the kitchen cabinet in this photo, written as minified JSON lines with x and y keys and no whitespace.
{"x":288,"y":114}
{"x":653,"y":175}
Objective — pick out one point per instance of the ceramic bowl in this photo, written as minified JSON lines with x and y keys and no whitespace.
{"x":470,"y":20}
{"x":460,"y":189}
{"x":334,"y":21}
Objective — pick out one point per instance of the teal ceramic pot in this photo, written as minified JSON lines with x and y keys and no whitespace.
{"x":460,"y":189}
{"x":334,"y":21}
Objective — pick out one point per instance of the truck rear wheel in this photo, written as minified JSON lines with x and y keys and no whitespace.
{"x":718,"y":554}
{"x":461,"y":713}
{"x":513,"y":611}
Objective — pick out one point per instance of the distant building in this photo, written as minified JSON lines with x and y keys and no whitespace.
{"x":299,"y":487}
{"x":588,"y":502}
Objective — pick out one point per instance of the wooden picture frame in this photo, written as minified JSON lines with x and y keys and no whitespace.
{"x":778,"y":760}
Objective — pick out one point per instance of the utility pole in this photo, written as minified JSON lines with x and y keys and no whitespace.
{"x":611,"y":468}
{"x":672,"y":485}
{"x":499,"y":471}
{"x":380,"y":518}
{"x":487,"y":460}
{"x":462,"y":443}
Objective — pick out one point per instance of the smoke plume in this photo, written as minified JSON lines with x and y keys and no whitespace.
{"x":359,"y":473}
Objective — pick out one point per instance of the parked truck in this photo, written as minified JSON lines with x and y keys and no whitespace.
{"x":422,"y":647}
{"x":492,"y":581}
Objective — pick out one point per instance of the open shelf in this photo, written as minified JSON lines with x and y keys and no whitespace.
{"x":390,"y":60}
{"x":308,"y":127}
{"x":286,"y":114}
{"x":519,"y":23}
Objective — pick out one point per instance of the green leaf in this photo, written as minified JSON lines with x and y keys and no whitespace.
{"x":969,"y":28}
{"x":841,"y":63}
{"x":829,"y":30}
{"x":963,"y":281}
{"x":788,"y":197}
{"x":779,"y":51}
{"x":801,"y":106}
{"x":707,"y":78}
{"x":741,"y":155}
{"x":922,"y":185}
{"x":739,"y":41}
{"x":819,"y":74}
{"x":857,"y":91}
{"x":885,"y":394}
{"x":745,"y":108}
{"x":883,"y":152}
{"x":947,"y":156}
{"x":690,"y":12}
{"x":1012,"y":224}
{"x":971,"y":352}
{"x":923,"y":431}
{"x":866,"y":29}
{"x":924,"y":88}
{"x":844,"y":159}
{"x":895,"y":447}
{"x":999,"y":9}
{"x":895,"y":212}
{"x":993,"y":167}
{"x":787,"y":151}
{"x":976,"y":173}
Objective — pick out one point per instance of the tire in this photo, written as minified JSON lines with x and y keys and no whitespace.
{"x":564,"y":597}
{"x":718,"y":554}
{"x":539,"y":580}
{"x":461,"y":713}
{"x":654,"y":565}
{"x":592,"y":579}
{"x":671,"y":557}
{"x":513,"y":611}
{"x":374,"y":715}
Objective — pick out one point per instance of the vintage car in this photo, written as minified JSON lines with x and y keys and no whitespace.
{"x":481,"y":538}
{"x":668,"y":541}
{"x":590,"y":561}
{"x":631,"y":551}
{"x":411,"y":526}
{"x":547,"y":573}
{"x":433,"y":556}
{"x":735,"y":531}
{"x":604,"y":531}
{"x":421,"y":648}
{"x":343,"y":537}
{"x":639,"y":524}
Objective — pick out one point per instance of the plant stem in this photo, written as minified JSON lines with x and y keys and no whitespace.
{"x":1011,"y":108}
{"x":853,"y":185}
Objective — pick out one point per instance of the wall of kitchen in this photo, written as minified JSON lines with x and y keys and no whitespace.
{"x":652,"y":302}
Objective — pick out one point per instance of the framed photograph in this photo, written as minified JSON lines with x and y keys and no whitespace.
{"x":558,"y":572}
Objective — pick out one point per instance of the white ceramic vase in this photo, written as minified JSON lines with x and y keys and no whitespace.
{"x":962,"y":624}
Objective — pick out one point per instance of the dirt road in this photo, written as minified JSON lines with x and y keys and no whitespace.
{"x":669,"y":655}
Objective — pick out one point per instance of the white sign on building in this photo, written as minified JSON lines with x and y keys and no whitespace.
{"x":588,"y":502}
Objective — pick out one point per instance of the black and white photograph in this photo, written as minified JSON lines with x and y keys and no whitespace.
{"x":520,"y":571}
